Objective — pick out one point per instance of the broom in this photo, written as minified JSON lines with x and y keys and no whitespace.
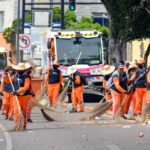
{"x":101,"y":111}
{"x":20,"y":121}
{"x":46,"y":116}
{"x":120,"y":108}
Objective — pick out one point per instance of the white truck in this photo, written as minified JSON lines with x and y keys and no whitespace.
{"x":69,"y":44}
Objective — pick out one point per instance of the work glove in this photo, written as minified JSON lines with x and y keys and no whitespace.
{"x":32,"y":93}
{"x":71,"y":79}
{"x":127,"y":93}
{"x":14,"y":93}
{"x":132,"y":82}
{"x":45,"y":84}
{"x":1,"y":93}
{"x":63,"y":84}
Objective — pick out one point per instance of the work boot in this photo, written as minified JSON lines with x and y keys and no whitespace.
{"x":6,"y":117}
{"x":24,"y":128}
{"x":29,"y":121}
{"x":138,"y":118}
{"x":81,"y":110}
{"x":11,"y":119}
{"x":147,"y":121}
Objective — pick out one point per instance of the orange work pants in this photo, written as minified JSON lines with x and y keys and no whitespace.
{"x":140,"y":96}
{"x":131,"y":97}
{"x":29,"y":108}
{"x":8,"y":104}
{"x":148,"y":100}
{"x":117,"y":101}
{"x":77,"y":97}
{"x":109,"y":97}
{"x":23,"y":102}
{"x":53,"y":92}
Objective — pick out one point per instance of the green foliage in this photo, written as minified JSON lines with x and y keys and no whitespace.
{"x":56,"y":14}
{"x":70,"y":18}
{"x":28,"y":18}
{"x":9,"y":33}
{"x":130,"y":18}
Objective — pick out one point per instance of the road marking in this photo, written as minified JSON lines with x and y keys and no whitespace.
{"x":112,"y":146}
{"x":8,"y":139}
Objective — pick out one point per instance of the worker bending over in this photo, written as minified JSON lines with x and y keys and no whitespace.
{"x":77,"y":88}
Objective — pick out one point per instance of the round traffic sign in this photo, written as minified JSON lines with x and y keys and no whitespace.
{"x":24,"y":41}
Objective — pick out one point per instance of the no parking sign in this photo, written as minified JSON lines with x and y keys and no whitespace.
{"x":24,"y":41}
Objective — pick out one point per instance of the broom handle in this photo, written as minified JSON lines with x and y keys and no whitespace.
{"x":131,"y":87}
{"x":14,"y":91}
{"x":105,"y":95}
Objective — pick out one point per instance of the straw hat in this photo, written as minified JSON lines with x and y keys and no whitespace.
{"x":132,"y":66}
{"x":8,"y":67}
{"x":28,"y":65}
{"x":20,"y":66}
{"x":71,"y":70}
{"x":108,"y":69}
{"x":55,"y":63}
{"x":141,"y":61}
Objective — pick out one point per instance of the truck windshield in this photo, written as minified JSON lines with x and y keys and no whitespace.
{"x":68,"y":51}
{"x":3,"y":60}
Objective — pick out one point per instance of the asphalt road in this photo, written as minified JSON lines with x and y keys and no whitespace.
{"x":69,"y":133}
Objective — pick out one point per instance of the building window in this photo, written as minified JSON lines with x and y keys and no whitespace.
{"x":101,"y":18}
{"x":1,"y":20}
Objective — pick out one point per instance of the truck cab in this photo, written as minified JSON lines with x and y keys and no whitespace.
{"x":69,"y":44}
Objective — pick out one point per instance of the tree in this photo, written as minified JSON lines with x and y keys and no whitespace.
{"x":9,"y":33}
{"x":70,"y":18}
{"x":56,"y":14}
{"x":126,"y":23}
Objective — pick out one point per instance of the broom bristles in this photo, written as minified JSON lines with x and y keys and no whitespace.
{"x":102,"y":110}
{"x":63,"y":94}
{"x":46,"y":116}
{"x":45,"y":107}
{"x":98,"y":107}
{"x":145,"y":112}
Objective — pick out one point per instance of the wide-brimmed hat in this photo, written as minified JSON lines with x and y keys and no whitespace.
{"x":71,"y":70}
{"x":9,"y":67}
{"x":132,"y":66}
{"x":141,"y":61}
{"x":55,"y":63}
{"x":28,"y":65}
{"x":20,"y":66}
{"x":108,"y":69}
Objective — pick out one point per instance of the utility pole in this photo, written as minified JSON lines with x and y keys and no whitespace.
{"x":17,"y":40}
{"x":51,"y":14}
{"x":23,"y":15}
{"x":62,"y":14}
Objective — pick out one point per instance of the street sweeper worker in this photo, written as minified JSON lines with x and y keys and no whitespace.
{"x":77,"y":89}
{"x":119,"y":89}
{"x":7,"y":96}
{"x":22,"y":83}
{"x":140,"y":85}
{"x":51,"y":50}
{"x":148,"y":94}
{"x":29,"y":72}
{"x":131,"y":97}
{"x":54,"y":80}
{"x":107,"y":72}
